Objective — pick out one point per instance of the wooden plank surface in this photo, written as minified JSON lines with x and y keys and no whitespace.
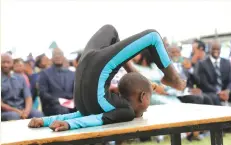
{"x":157,"y":117}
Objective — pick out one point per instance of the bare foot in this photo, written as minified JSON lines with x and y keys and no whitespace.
{"x":171,"y":78}
{"x":174,"y":82}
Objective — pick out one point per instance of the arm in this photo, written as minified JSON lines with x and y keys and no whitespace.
{"x":27,"y":96}
{"x":6,"y":107}
{"x":114,"y":116}
{"x":129,"y":68}
{"x":47,"y":121}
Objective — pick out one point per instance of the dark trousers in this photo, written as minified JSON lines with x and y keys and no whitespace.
{"x":207,"y":99}
{"x":10,"y":115}
{"x":213,"y":98}
{"x":191,"y":99}
{"x":56,"y":109}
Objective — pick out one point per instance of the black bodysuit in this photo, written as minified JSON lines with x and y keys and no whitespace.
{"x":102,"y":58}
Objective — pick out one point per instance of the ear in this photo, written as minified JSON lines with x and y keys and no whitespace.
{"x":142,"y":97}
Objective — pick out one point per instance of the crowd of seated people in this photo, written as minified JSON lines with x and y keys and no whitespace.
{"x":33,"y":88}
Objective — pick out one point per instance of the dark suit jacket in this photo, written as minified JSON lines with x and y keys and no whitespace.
{"x":207,"y":75}
{"x":51,"y":88}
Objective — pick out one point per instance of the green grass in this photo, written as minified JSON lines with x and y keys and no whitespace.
{"x":205,"y":141}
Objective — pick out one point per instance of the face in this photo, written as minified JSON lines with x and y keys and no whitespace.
{"x":6,"y":64}
{"x":137,"y":58}
{"x":175,"y":54}
{"x":215,"y":50}
{"x":18,"y":67}
{"x":194,"y":47}
{"x":44,"y":62}
{"x":58,"y":57}
{"x":28,"y":69}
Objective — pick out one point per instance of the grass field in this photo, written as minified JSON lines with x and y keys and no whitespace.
{"x":205,"y":141}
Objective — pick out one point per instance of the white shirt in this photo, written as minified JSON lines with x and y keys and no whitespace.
{"x":218,"y":60}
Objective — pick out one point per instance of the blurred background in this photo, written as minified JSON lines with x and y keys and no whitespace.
{"x":32,"y":25}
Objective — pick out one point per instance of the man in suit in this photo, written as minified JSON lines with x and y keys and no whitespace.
{"x":215,"y":75}
{"x":54,"y":83}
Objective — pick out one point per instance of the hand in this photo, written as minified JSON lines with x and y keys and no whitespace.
{"x":18,"y":111}
{"x":196,"y":91}
{"x":196,"y":56}
{"x":224,"y":95}
{"x":25,"y":114}
{"x":187,"y":64}
{"x":59,"y":126}
{"x":201,"y":55}
{"x":159,"y":89}
{"x":35,"y":123}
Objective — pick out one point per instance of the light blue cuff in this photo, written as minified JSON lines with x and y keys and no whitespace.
{"x":87,"y":121}
{"x":47,"y":121}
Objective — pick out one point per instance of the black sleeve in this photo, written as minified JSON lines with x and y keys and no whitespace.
{"x":118,"y":115}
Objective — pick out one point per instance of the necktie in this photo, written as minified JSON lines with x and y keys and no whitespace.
{"x":218,"y":75}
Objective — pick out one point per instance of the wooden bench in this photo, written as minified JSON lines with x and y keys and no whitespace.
{"x":158,"y":120}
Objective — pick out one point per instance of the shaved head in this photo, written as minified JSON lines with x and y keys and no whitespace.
{"x":58,"y":57}
{"x":216,"y":43}
{"x":133,"y":83}
{"x":138,"y":90}
{"x":6,"y":63}
{"x":215,"y":49}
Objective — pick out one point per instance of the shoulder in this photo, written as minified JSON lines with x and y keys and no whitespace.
{"x":18,"y":77}
{"x":225,"y":60}
{"x":69,"y":72}
{"x":204,"y":61}
{"x":46,"y":71}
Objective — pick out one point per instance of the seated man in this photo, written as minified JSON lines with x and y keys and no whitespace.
{"x":183,"y":67}
{"x":16,"y":100}
{"x":56,"y":82}
{"x":100,"y":61}
{"x":215,"y":75}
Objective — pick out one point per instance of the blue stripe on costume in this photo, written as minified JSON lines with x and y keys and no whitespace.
{"x":86,"y":121}
{"x":152,"y":38}
{"x":47,"y":121}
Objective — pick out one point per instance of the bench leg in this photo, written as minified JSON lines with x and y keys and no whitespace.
{"x":216,"y":137}
{"x":175,"y":139}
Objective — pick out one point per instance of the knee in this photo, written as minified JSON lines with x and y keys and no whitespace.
{"x":150,"y":31}
{"x":63,"y":110}
{"x":7,"y":116}
{"x":108,"y":26}
{"x":208,"y":100}
{"x":36,"y":113}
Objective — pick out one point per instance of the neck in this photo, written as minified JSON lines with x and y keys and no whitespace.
{"x":6,"y":73}
{"x":214,"y":57}
{"x":58,"y":65}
